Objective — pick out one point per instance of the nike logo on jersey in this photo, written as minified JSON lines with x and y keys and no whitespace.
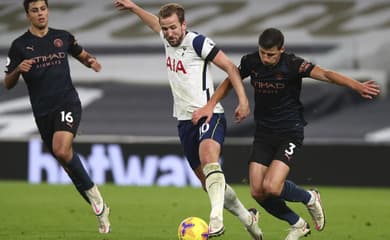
{"x":31,"y":48}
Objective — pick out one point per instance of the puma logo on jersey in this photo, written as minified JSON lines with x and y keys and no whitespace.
{"x":175,"y":65}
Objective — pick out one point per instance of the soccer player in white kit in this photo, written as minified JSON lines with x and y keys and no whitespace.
{"x":188,"y":56}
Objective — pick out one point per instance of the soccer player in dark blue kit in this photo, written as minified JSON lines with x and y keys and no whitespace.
{"x":41,"y":56}
{"x":276,"y":77}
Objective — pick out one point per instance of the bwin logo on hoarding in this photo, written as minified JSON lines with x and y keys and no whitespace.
{"x":166,"y":170}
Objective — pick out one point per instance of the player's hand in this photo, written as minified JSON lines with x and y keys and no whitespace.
{"x":206,"y":111}
{"x":242,"y":111}
{"x":124,"y":4}
{"x":369,"y":89}
{"x":94,"y":64}
{"x":25,"y":65}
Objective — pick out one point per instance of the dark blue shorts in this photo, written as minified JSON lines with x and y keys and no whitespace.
{"x":191,"y":136}
{"x":66,"y":118}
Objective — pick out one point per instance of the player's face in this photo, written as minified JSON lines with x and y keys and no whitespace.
{"x":173,"y":30}
{"x":270,"y":57}
{"x":38,"y":14}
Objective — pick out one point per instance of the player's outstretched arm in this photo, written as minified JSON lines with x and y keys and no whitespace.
{"x":368,"y":89}
{"x":148,"y":18}
{"x":90,"y":61}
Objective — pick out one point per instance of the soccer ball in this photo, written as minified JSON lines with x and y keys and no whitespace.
{"x":193,"y":228}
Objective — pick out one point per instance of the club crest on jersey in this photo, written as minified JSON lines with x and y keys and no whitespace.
{"x":175,"y":65}
{"x":58,"y":42}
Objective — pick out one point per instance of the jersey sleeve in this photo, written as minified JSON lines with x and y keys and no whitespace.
{"x":243,"y":68}
{"x":205,"y":48}
{"x":74,"y":48}
{"x":14,"y":58}
{"x":302,"y":66}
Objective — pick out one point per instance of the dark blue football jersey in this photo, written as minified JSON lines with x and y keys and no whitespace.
{"x":49,"y":82}
{"x":277,"y":91}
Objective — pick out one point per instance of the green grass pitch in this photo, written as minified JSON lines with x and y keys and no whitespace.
{"x":58,"y":212}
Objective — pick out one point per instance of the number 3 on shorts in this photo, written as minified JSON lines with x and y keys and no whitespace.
{"x":290,"y":150}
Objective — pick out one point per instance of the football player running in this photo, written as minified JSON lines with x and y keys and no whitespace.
{"x":41,"y":56}
{"x":276,"y":77}
{"x":188,"y":56}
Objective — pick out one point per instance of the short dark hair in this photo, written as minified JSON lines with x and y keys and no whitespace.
{"x":26,"y":3}
{"x":271,"y":37}
{"x":169,"y":9}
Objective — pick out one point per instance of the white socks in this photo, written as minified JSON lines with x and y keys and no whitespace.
{"x":215,"y":186}
{"x":300,"y":223}
{"x":96,"y":200}
{"x":222,"y":195}
{"x":234,"y":205}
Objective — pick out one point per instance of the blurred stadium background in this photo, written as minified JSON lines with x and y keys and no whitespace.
{"x":127,"y":134}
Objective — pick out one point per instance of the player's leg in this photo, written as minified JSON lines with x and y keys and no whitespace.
{"x":311,"y":198}
{"x":277,"y":185}
{"x":202,"y":144}
{"x":63,"y":152}
{"x":66,"y":122}
{"x":249,"y":218}
{"x":273,"y":205}
{"x":261,"y":160}
{"x":60,"y":146}
{"x":209,"y":151}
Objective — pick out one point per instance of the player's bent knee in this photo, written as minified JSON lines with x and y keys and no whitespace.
{"x":62,"y":154}
{"x":258,"y":195}
{"x":271,"y":189}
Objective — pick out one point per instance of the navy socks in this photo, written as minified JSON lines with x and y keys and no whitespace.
{"x":293,"y":193}
{"x":278,"y":208}
{"x":79,"y":175}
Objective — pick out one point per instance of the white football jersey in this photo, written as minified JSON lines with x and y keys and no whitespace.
{"x":189,"y":75}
